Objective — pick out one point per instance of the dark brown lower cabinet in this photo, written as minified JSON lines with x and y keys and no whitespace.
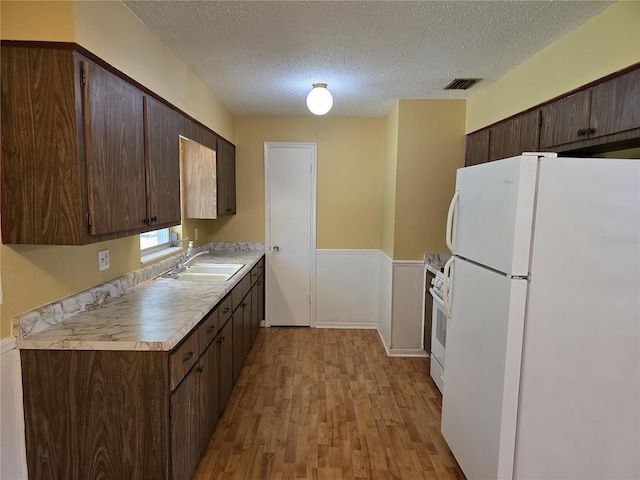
{"x":185,"y":438}
{"x":96,"y":414}
{"x":209,"y":395}
{"x":238,"y":341}
{"x":133,"y":414}
{"x":246,"y":323}
{"x":224,"y":346}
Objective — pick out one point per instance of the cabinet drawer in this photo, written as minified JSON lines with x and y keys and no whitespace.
{"x":208,"y":329}
{"x":225,"y":309}
{"x":182,"y":359}
{"x":240,"y":290}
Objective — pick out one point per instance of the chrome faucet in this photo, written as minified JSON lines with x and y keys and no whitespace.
{"x":185,"y":258}
{"x":189,"y":259}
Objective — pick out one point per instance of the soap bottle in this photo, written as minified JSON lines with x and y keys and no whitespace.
{"x":190,"y":250}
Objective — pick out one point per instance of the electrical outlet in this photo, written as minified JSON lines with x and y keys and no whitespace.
{"x":103,"y":260}
{"x":196,"y":234}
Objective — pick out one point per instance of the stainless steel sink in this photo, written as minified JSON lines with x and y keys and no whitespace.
{"x":210,"y":272}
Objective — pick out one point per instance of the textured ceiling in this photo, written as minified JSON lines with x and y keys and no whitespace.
{"x":261,"y":57}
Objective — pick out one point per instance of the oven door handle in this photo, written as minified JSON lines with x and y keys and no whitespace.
{"x":445,"y":286}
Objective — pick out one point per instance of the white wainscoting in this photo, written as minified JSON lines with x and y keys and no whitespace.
{"x":366,"y":289}
{"x":347,"y":288}
{"x":13,"y":463}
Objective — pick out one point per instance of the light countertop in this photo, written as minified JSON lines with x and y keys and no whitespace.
{"x":155,"y":314}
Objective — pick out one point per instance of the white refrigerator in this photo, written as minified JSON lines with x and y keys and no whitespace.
{"x":542,"y":379}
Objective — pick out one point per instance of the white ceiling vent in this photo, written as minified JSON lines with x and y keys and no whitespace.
{"x":462,"y":83}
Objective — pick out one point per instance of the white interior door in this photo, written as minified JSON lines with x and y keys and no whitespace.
{"x":290,"y":236}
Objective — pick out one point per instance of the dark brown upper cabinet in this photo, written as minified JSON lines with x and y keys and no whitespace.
{"x":603,"y":116}
{"x":608,"y":112}
{"x":162,"y":153}
{"x":477,"y":148}
{"x":226,"y":158}
{"x":515,"y":136}
{"x":505,"y":139}
{"x":113,"y":118}
{"x":86,"y":156}
{"x":615,"y":105}
{"x":44,"y":193}
{"x":566,"y":120}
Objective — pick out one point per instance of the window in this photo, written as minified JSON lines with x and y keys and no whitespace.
{"x":151,"y":242}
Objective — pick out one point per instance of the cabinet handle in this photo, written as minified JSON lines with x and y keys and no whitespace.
{"x":590,"y":131}
{"x":226,"y":310}
{"x":211,"y":328}
{"x":228,"y":209}
{"x":199,"y":369}
{"x":582,"y":132}
{"x":145,"y":221}
{"x":154,"y":219}
{"x":188,"y":357}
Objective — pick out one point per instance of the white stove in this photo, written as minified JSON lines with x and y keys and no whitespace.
{"x":438,"y":330}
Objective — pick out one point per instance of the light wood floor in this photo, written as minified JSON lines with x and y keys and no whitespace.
{"x":329,"y":404}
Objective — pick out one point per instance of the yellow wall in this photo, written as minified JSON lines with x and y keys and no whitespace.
{"x":389,"y":180}
{"x":50,"y":21}
{"x":605,"y":44}
{"x":430,"y":149}
{"x":36,"y":275}
{"x":349,"y":189}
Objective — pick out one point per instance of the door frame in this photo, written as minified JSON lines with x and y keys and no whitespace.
{"x":313,"y":146}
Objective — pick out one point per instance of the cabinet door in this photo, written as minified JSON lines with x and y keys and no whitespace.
{"x":261,"y":287}
{"x":226,"y":166}
{"x":565,"y":121}
{"x":615,"y":105}
{"x":185,"y":451}
{"x":477,"y":149}
{"x":191,"y":130}
{"x":114,"y":149}
{"x":246,"y":321}
{"x":225,"y":356}
{"x":209,"y":395}
{"x":162,"y":157}
{"x":237,"y":321}
{"x":255,"y":309}
{"x":514,"y":136}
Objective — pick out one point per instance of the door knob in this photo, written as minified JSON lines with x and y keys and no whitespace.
{"x":276,"y":248}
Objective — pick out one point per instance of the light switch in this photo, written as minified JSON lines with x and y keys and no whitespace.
{"x":103,"y":260}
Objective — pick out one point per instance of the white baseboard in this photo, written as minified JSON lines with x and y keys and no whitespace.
{"x":350,"y":325}
{"x":400,"y":352}
{"x":13,"y":458}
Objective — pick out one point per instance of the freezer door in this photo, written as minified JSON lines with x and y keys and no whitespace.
{"x":579,"y":414}
{"x":481,"y":376}
{"x":493,"y":216}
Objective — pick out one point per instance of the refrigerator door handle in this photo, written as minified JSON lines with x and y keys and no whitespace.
{"x":445,"y":286}
{"x":449,"y":233}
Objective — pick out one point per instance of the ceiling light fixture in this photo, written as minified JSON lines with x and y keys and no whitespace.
{"x":319,"y":100}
